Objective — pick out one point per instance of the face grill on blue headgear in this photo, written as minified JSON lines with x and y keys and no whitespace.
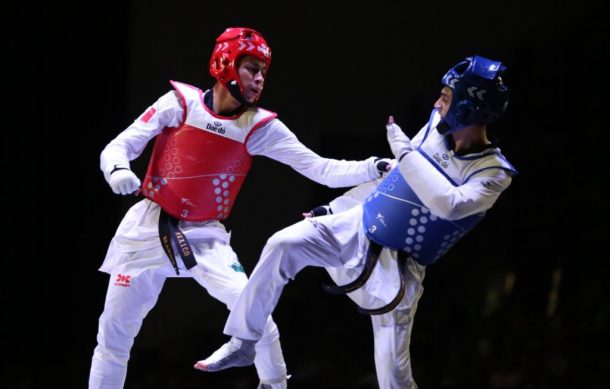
{"x":479,"y":95}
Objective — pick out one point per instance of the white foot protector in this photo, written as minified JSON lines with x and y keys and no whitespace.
{"x":235,"y":353}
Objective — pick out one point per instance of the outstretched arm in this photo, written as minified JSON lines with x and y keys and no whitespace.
{"x":277,"y":142}
{"x":358,"y":194}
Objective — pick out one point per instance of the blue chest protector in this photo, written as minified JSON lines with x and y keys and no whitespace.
{"x":395,"y":217}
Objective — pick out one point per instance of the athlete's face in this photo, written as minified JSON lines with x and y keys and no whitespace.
{"x":444,"y":101}
{"x":251,"y":73}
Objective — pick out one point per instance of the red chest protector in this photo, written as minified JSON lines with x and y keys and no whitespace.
{"x":197,"y":169}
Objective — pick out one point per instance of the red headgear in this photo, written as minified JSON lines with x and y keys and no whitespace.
{"x":232,"y":44}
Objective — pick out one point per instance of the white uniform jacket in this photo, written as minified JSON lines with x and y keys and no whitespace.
{"x":139,"y":228}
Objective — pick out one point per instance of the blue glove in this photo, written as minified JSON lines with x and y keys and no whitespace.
{"x":319,"y":211}
{"x":383,"y":165}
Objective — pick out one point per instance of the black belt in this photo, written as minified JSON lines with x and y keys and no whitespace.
{"x":370,"y":261}
{"x":369,"y":264}
{"x":402,"y":265}
{"x":168,"y":232}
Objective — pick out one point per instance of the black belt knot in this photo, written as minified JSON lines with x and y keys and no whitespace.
{"x":168,"y":233}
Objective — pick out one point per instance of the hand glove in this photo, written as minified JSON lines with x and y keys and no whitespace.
{"x":399,"y":142}
{"x":318,"y":211}
{"x":124,"y":181}
{"x":383,"y":165}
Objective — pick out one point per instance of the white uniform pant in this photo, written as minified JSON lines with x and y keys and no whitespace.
{"x":336,"y":242}
{"x":130,"y":298}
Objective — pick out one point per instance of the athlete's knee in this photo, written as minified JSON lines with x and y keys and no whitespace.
{"x":112,"y":351}
{"x":117,"y":331}
{"x":232,"y":294}
{"x":395,"y":374}
{"x":271,"y":333}
{"x":285,"y":242}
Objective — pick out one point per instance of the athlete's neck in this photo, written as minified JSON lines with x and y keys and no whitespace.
{"x":470,"y":138}
{"x":221,"y":102}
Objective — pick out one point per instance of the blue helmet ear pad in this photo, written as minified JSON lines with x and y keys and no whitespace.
{"x":462,"y":113}
{"x":465,"y":111}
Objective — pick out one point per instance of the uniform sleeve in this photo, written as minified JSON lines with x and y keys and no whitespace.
{"x":129,"y":144}
{"x":354,"y":196}
{"x":274,"y":140}
{"x":399,"y":142}
{"x":447,"y":200}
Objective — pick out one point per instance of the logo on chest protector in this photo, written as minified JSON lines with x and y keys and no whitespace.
{"x":216,"y":127}
{"x":442,"y":160}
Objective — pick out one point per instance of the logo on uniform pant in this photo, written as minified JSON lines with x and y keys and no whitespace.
{"x":122,"y":280}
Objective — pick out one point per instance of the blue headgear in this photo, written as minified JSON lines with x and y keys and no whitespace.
{"x":479,"y":95}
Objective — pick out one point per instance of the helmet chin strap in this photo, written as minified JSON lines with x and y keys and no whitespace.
{"x":443,"y":128}
{"x":235,"y":91}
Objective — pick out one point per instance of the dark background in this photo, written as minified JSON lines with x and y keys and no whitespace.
{"x":521,"y":302}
